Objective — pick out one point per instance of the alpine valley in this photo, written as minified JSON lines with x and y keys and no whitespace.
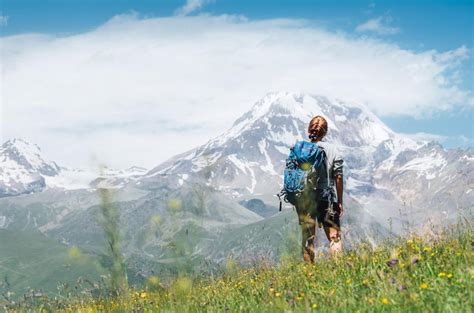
{"x":217,"y":201}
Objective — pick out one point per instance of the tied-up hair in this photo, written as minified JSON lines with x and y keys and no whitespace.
{"x":318,"y":128}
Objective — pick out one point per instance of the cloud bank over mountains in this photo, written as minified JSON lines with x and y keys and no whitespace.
{"x":139,"y":90}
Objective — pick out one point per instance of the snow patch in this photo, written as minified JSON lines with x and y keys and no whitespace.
{"x":285,"y":150}
{"x":240,"y":165}
{"x":262,"y":145}
{"x":285,"y":137}
{"x":205,"y":160}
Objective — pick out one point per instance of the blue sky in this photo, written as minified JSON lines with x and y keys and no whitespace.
{"x":436,"y":28}
{"x":421,"y":23}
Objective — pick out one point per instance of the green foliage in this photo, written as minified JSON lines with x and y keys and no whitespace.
{"x":414,"y":275}
{"x":110,"y":222}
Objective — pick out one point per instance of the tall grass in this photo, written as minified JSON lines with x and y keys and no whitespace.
{"x":414,"y":274}
{"x":110,"y":222}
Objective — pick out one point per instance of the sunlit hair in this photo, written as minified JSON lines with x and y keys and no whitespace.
{"x":318,"y":128}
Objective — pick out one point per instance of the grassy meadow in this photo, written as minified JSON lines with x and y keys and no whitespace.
{"x":417,"y":274}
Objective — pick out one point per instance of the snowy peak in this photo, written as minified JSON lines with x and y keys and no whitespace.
{"x":358,"y":124}
{"x":19,"y":153}
{"x":113,"y":178}
{"x":71,"y":179}
{"x":23,"y":169}
{"x":131,"y":171}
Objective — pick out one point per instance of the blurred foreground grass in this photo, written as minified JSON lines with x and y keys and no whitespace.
{"x":414,"y":275}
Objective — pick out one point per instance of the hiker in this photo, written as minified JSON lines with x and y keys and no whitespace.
{"x":314,"y":185}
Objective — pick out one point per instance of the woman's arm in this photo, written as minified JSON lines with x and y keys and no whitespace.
{"x":338,"y":166}
{"x":339,"y":190}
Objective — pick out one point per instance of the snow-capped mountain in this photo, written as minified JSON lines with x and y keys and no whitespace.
{"x":23,"y":169}
{"x":248,"y":159}
{"x":431,"y":181}
{"x":381,"y":166}
{"x":113,"y":178}
{"x":204,"y":194}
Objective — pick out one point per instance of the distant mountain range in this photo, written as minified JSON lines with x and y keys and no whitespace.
{"x":24,"y":170}
{"x":218,"y":200}
{"x":385,"y":171}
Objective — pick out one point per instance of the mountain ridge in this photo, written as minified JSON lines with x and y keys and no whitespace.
{"x":382,"y":167}
{"x":247,"y":160}
{"x":24,"y":170}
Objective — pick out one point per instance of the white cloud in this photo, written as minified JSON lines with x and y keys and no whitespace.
{"x":379,"y":25}
{"x":3,"y":20}
{"x":421,"y":136}
{"x":452,"y":141}
{"x":459,"y":141}
{"x":191,"y":6}
{"x":136,"y":91}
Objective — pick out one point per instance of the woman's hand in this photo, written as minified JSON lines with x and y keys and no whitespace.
{"x":341,"y":209}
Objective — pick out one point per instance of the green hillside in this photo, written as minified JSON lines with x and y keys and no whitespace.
{"x":434,"y":274}
{"x":29,"y":260}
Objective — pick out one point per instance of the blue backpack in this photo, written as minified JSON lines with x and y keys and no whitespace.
{"x":301,"y":171}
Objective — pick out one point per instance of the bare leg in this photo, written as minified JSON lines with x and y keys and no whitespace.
{"x":334,"y":237}
{"x":308,"y":230}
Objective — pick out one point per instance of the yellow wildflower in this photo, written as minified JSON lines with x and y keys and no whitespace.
{"x":314,"y":306}
{"x":450,"y":275}
{"x":277,"y":295}
{"x":384,"y":301}
{"x":153,"y":280}
{"x":156,"y":220}
{"x":424,"y":286}
{"x":441,"y":274}
{"x":175,"y":204}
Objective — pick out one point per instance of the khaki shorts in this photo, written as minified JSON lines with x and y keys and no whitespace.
{"x":325,"y":215}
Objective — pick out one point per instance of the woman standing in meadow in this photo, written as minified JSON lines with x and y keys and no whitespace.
{"x":324,"y":206}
